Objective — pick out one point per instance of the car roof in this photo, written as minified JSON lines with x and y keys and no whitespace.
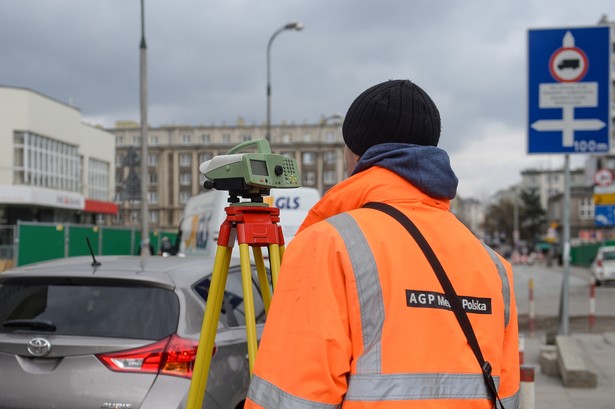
{"x":168,"y":271}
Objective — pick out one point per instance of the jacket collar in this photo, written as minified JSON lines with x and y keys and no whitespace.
{"x":426,"y":167}
{"x":375,"y":184}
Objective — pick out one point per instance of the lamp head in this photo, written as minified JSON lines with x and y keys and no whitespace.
{"x":295,"y":25}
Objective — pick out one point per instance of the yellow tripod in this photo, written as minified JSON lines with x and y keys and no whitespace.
{"x":255,"y":225}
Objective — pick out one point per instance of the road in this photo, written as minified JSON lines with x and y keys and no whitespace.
{"x":547,"y":290}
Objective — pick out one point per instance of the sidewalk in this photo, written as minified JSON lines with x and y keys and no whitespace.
{"x":598,"y":351}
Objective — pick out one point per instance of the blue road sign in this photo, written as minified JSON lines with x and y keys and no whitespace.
{"x":604,"y":215}
{"x":569,"y":79}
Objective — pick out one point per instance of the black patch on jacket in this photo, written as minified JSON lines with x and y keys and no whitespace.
{"x":431,"y":299}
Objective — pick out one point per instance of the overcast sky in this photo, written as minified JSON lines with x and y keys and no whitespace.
{"x":207,"y":64}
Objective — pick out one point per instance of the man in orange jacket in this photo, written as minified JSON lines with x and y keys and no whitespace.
{"x":359,"y":318}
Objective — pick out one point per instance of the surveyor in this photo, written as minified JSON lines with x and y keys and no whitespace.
{"x":359,"y":318}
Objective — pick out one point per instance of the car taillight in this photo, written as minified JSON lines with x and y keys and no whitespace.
{"x":599,"y":262}
{"x":169,"y":356}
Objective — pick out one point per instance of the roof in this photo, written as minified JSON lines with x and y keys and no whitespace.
{"x":167,"y":271}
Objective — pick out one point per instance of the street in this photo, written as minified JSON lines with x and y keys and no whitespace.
{"x":547,"y":290}
{"x":597,"y":345}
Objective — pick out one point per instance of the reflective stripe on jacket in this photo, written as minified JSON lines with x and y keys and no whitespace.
{"x":359,"y":320}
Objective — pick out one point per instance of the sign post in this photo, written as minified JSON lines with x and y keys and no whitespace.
{"x":569,"y":107}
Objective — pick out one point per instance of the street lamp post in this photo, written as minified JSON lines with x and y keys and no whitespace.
{"x":290,"y":26}
{"x":145,"y":247}
{"x":319,"y":154}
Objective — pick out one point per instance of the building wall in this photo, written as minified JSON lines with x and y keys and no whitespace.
{"x":98,"y":144}
{"x":550,"y":183}
{"x":175,"y":153}
{"x":67,"y":142}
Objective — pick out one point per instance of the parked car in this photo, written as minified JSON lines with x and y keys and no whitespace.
{"x":77,"y":335}
{"x":603,"y":266}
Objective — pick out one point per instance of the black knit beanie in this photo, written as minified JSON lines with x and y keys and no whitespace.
{"x":395,"y":111}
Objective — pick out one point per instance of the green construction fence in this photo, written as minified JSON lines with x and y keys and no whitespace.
{"x":37,"y":242}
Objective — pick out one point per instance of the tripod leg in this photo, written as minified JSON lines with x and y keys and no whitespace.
{"x":262,"y":277}
{"x":274,"y":263}
{"x":248,"y":302}
{"x":209,"y":327}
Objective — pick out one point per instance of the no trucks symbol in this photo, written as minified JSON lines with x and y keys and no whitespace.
{"x":568,"y":64}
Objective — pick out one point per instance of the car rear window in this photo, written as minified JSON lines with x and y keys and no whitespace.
{"x":88,"y":309}
{"x":609,"y":255}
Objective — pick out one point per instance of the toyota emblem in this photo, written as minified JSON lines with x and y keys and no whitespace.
{"x":39,"y":347}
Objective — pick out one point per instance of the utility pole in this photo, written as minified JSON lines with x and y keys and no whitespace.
{"x":143,"y":77}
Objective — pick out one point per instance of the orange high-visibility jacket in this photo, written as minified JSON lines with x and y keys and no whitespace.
{"x":359,"y":319}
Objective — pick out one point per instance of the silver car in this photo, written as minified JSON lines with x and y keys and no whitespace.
{"x":77,"y":335}
{"x":603,"y":266}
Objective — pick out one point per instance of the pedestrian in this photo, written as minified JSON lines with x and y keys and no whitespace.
{"x":359,"y":318}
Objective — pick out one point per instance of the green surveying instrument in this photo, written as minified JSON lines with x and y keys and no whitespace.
{"x":247,"y":176}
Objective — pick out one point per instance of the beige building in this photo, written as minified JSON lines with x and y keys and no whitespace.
{"x":175,"y":153}
{"x":55,"y":168}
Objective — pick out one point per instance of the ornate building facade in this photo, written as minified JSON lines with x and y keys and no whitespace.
{"x":175,"y":153}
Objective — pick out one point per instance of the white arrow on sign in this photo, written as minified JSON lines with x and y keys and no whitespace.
{"x":568,"y":125}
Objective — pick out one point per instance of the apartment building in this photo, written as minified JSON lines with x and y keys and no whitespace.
{"x":55,"y":168}
{"x":550,"y":182}
{"x":175,"y":153}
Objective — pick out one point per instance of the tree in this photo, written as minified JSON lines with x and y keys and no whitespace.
{"x":499,"y":221}
{"x":532,"y":217}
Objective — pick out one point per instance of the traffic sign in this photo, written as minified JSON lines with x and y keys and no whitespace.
{"x":605,"y":215}
{"x":604,"y":199}
{"x":569,"y":103}
{"x":603,"y":178}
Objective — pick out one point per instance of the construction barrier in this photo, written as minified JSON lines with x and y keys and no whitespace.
{"x":36,"y":242}
{"x":592,"y":303}
{"x":527,"y":391}
{"x":532,"y":307}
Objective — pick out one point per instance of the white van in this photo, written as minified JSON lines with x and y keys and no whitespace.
{"x":204,"y":214}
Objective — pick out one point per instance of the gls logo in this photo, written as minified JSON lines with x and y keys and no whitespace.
{"x":291,"y":203}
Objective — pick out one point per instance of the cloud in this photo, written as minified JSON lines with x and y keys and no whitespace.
{"x":206,"y":62}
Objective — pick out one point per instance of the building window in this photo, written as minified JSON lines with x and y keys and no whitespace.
{"x":153,"y":178}
{"x":329,"y":137}
{"x":117,"y":218}
{"x":135,"y":216}
{"x":152,"y":160}
{"x":186,"y":139}
{"x":329,"y":157}
{"x":286,"y":138}
{"x":184,"y":197}
{"x":185,"y":159}
{"x":586,"y":208}
{"x":136,"y":140}
{"x":185,"y":178}
{"x":309,"y":178}
{"x":307,"y":137}
{"x":152,"y":197}
{"x":204,"y":157}
{"x":41,"y":161}
{"x":226,"y":138}
{"x":246,"y":137}
{"x":153,"y":140}
{"x":205,"y":138}
{"x":98,"y":179}
{"x":153,"y":216}
{"x":328,"y":177}
{"x":309,"y":158}
{"x":119,"y":140}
